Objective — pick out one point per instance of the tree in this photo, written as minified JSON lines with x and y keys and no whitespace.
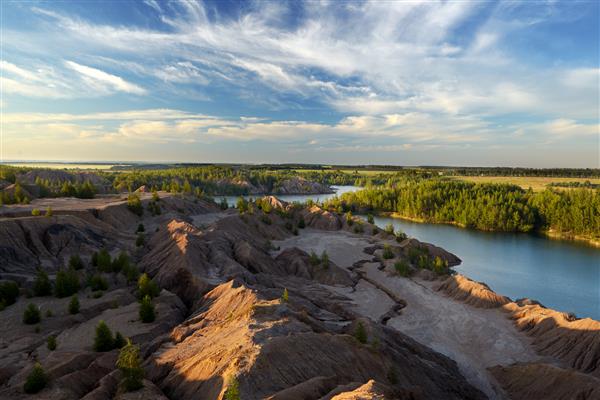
{"x":140,"y":228}
{"x":103,"y":261}
{"x":242,"y":205}
{"x":41,"y":284}
{"x":31,"y":315}
{"x":387,"y":252}
{"x":314,"y":258}
{"x":75,"y":262}
{"x":285,"y":297}
{"x":97,"y":282}
{"x":119,"y":341}
{"x":9,"y":291}
{"x":147,"y":313}
{"x":74,"y":305}
{"x":130,"y":365}
{"x":120,"y":262}
{"x":36,"y":212}
{"x":67,"y":283}
{"x":349,"y":219}
{"x":36,"y":380}
{"x":389,"y":228}
{"x":370,"y":219}
{"x":51,"y":343}
{"x":440,"y":266}
{"x":139,"y":241}
{"x":360,"y":333}
{"x":223,"y":205}
{"x":147,"y":287}
{"x":104,"y":339}
{"x":49,"y":212}
{"x":134,"y":204}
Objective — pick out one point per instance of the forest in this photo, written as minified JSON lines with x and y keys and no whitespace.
{"x":491,"y":207}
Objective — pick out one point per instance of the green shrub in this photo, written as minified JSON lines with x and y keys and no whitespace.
{"x":223,"y":205}
{"x":103,"y":261}
{"x":49,"y":313}
{"x":49,"y":212}
{"x":74,"y":305}
{"x":387,"y":252}
{"x":375,"y":230}
{"x":134,"y":204}
{"x":401,"y":268}
{"x":401,"y":236}
{"x":31,"y":315}
{"x":147,"y":313}
{"x":389,"y":228}
{"x":301,"y":223}
{"x":147,"y":287}
{"x":130,"y":365}
{"x":325,"y":259}
{"x":97,"y":294}
{"x":360,"y":333}
{"x":51,"y":343}
{"x":75,"y":262}
{"x":358,"y":228}
{"x":9,"y":291}
{"x":119,"y":341}
{"x":141,"y":228}
{"x":370,"y":219}
{"x":440,"y":266}
{"x":104,"y":339}
{"x":233,"y":390}
{"x":314,"y":258}
{"x":36,"y":380}
{"x":139,"y":241}
{"x":120,"y":262}
{"x":349,"y":219}
{"x":41,"y":284}
{"x":424,"y":262}
{"x":285,"y":296}
{"x":131,"y":273}
{"x":97,"y":282}
{"x":242,"y":205}
{"x":67,"y":283}
{"x":36,"y":212}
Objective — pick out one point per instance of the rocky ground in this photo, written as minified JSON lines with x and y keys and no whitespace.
{"x":349,"y":326}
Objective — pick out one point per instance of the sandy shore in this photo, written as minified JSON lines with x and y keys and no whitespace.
{"x":475,"y":338}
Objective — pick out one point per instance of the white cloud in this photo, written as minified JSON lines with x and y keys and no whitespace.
{"x":103,"y":80}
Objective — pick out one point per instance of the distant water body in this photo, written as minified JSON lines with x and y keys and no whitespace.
{"x":300,"y":198}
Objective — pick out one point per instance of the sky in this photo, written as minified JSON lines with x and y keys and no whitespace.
{"x":472,"y":83}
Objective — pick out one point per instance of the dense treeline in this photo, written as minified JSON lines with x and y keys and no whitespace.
{"x":497,"y":207}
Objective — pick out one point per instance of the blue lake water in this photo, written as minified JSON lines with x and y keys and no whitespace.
{"x":562,"y":275}
{"x":301,"y":198}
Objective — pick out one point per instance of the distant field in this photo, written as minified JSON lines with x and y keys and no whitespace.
{"x":62,"y":165}
{"x":536,"y":183}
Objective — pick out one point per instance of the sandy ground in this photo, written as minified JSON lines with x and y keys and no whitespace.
{"x":475,"y":338}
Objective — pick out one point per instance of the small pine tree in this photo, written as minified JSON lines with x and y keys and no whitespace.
{"x":233,"y":390}
{"x":9,"y":291}
{"x":134,"y":204}
{"x":41,"y":284}
{"x":130,"y":365}
{"x":224,"y":206}
{"x":370,"y":219}
{"x":104,"y":339}
{"x":360,"y":333}
{"x":141,"y":228}
{"x":285,"y":297}
{"x":389,"y":228}
{"x":147,"y":313}
{"x":139,"y":241}
{"x":103,"y":261}
{"x":75,"y":262}
{"x":387,"y":252}
{"x":349,"y":219}
{"x":119,"y":341}
{"x":36,"y":212}
{"x":74,"y":305}
{"x":51,"y":343}
{"x":31,"y":315}
{"x":147,"y":287}
{"x":67,"y":283}
{"x":97,"y":282}
{"x":36,"y":380}
{"x":314,"y":258}
{"x":49,"y":212}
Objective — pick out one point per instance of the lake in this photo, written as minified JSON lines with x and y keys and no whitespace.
{"x":301,"y":198}
{"x":562,"y":275}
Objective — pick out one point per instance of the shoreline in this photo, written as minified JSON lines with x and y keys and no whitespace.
{"x":553,"y":235}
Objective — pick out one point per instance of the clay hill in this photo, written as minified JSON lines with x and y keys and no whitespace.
{"x":286,"y":303}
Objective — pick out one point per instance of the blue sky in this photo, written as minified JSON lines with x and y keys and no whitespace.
{"x":407,"y":83}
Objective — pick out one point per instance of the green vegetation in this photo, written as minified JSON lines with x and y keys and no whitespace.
{"x":67,"y":283}
{"x":120,"y":262}
{"x":41,"y":284}
{"x":75,"y":262}
{"x":97,"y":282}
{"x":31,"y":315}
{"x":130,"y":365}
{"x":495,"y":207}
{"x":440,"y":266}
{"x":36,"y":212}
{"x":119,"y":341}
{"x":9,"y":291}
{"x":134,"y":204}
{"x":104,"y":340}
{"x":360,"y":333}
{"x":387,"y":252}
{"x":401,"y":268}
{"x":140,"y":240}
{"x":36,"y":380}
{"x":49,"y":212}
{"x":389,"y":229}
{"x":147,"y":287}
{"x":325,"y":259}
{"x":314,"y":258}
{"x":74,"y":305}
{"x":233,"y":390}
{"x":147,"y":313}
{"x":51,"y":343}
{"x":140,"y":228}
{"x":102,"y":260}
{"x":285,"y":297}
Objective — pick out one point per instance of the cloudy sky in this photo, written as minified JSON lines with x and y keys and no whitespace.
{"x":408,"y":83}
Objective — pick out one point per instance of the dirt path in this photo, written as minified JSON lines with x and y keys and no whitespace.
{"x":475,"y":338}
